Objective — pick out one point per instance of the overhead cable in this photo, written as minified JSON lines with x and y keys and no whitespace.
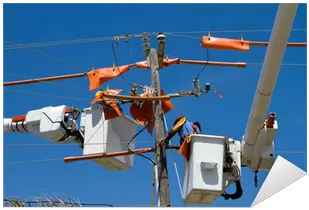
{"x":44,"y":145}
{"x":110,"y":38}
{"x":45,"y":95}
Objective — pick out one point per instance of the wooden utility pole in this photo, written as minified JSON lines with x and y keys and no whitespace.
{"x":164,"y":189}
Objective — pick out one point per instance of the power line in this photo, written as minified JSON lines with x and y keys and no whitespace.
{"x":67,"y":62}
{"x":231,"y":31}
{"x":110,"y":38}
{"x":185,"y":36}
{"x":45,"y":95}
{"x":52,"y":57}
{"x":43,"y":145}
{"x":116,"y":62}
{"x":51,"y":82}
{"x":54,"y":43}
{"x":207,"y":60}
{"x":76,"y":41}
{"x":33,"y":161}
{"x":55,"y":159}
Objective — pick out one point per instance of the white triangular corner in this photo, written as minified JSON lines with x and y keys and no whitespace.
{"x":282,"y":174}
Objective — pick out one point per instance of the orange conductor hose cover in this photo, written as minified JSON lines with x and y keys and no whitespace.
{"x":225,"y":44}
{"x":184,"y":149}
{"x":110,"y":108}
{"x":98,"y":77}
{"x":166,"y":63}
{"x":144,"y":114}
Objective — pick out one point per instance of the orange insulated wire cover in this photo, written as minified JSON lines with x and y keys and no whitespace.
{"x":225,"y":44}
{"x":110,"y":108}
{"x":100,"y":76}
{"x":166,"y":63}
{"x":144,"y":114}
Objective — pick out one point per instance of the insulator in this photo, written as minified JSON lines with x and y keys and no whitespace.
{"x":207,"y":87}
{"x":197,"y":87}
{"x":146,"y":45}
{"x":145,"y":39}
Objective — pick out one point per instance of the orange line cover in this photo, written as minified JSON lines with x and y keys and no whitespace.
{"x":238,"y":44}
{"x":98,"y":77}
{"x":110,"y":108}
{"x":184,"y":149}
{"x":225,"y":44}
{"x":144,"y":114}
{"x":166,"y":63}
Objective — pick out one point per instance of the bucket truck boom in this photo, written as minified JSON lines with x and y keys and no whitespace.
{"x":57,"y":124}
{"x":207,"y":176}
{"x":258,"y":140}
{"x":95,"y":134}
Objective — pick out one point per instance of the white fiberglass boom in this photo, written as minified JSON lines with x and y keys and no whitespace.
{"x":252,"y":143}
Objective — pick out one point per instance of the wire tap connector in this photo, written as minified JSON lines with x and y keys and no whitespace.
{"x":197,"y":88}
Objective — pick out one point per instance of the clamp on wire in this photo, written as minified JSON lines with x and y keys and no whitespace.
{"x":197,"y":88}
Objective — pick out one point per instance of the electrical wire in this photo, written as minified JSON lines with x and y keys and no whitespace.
{"x":51,"y":82}
{"x":116,"y":62}
{"x":52,"y":57}
{"x":55,"y":159}
{"x":45,"y":95}
{"x":185,"y":36}
{"x":207,"y":60}
{"x":76,"y":41}
{"x":128,"y":145}
{"x":54,"y":43}
{"x":32,"y":161}
{"x":48,"y":145}
{"x":231,"y":31}
{"x":70,"y":63}
{"x":110,"y":38}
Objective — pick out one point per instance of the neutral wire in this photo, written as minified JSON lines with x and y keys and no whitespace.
{"x":54,"y":43}
{"x":33,"y":161}
{"x":55,"y":159}
{"x":43,"y":145}
{"x":109,"y":38}
{"x":52,"y":57}
{"x":231,"y":31}
{"x":45,"y":95}
{"x":76,"y":41}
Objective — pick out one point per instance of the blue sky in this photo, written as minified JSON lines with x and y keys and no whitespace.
{"x":91,"y":183}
